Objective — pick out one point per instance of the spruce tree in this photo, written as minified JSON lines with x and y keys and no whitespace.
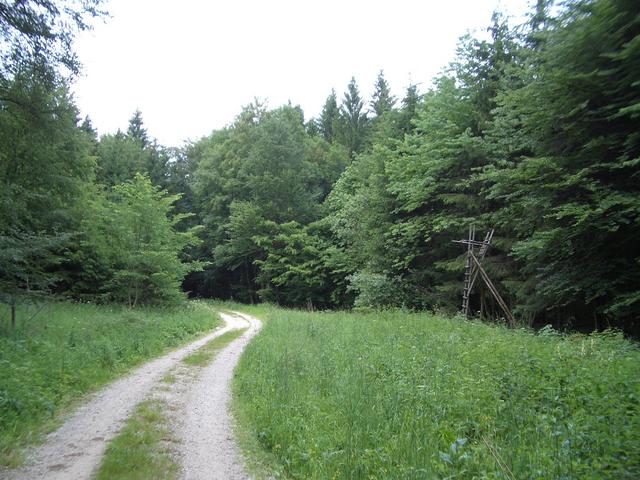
{"x":353,"y":119}
{"x":382,"y":100}
{"x":329,"y":118}
{"x":409,"y":109}
{"x":136,"y":130}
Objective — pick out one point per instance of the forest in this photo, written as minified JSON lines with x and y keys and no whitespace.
{"x":532,"y":130}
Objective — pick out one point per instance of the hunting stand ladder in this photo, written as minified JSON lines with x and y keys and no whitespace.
{"x":473,"y":268}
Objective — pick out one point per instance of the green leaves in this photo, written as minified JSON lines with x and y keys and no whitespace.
{"x":567,"y":186}
{"x":130,"y":232}
{"x":253,"y":181}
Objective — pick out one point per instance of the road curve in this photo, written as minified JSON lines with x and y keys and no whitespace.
{"x":206,"y":445}
{"x":74,"y":450}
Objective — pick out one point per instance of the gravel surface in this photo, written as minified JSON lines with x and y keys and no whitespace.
{"x":75,"y":450}
{"x":206,"y":447}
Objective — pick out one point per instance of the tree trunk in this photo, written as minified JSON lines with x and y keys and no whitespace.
{"x":248,"y":280}
{"x":13,"y":315}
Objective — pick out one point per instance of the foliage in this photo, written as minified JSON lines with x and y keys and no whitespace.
{"x":41,"y":33}
{"x":397,"y":395}
{"x":530,"y":130}
{"x":382,"y":100}
{"x":377,"y":291}
{"x":65,"y":350}
{"x":293,"y":271}
{"x":121,"y":156}
{"x":353,"y":119}
{"x":262,"y":172}
{"x":44,"y":168}
{"x":565,"y":172}
{"x":328,"y":122}
{"x":130,"y":235}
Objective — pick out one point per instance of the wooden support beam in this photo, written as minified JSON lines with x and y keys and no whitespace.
{"x":494,"y":291}
{"x":481,"y":254}
{"x":475,"y":243}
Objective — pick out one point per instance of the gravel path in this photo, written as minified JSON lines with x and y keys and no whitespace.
{"x":206,"y":448}
{"x":75,"y":450}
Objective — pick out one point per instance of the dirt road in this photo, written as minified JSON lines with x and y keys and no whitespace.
{"x":205,"y":434}
{"x":206,"y":448}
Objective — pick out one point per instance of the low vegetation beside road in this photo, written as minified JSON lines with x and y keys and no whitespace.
{"x":407,"y":396}
{"x":57,"y":354}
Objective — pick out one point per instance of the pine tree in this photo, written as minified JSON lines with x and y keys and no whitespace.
{"x":409,"y":109}
{"x":382,"y":100}
{"x":136,"y":129}
{"x":330,"y":117}
{"x":353,"y":119}
{"x":566,"y":148}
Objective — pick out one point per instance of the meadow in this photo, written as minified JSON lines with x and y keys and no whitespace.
{"x":410,"y":396}
{"x":60,"y":351}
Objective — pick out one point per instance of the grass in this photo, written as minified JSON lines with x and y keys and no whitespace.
{"x":53,"y":358}
{"x":205,"y":354}
{"x":139,"y":451}
{"x":412,"y":396}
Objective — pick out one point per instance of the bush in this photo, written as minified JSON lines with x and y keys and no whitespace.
{"x":374,"y":290}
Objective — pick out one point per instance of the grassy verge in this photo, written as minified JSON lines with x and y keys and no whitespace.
{"x":396,"y":395}
{"x":68,"y":349}
{"x":205,"y":354}
{"x":139,"y":451}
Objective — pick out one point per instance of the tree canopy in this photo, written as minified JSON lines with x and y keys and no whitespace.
{"x":531,"y":130}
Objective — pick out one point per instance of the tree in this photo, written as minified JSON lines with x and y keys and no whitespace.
{"x":481,"y":66}
{"x":330,"y":117}
{"x":382,"y":100}
{"x":131,"y":232}
{"x":566,"y":168}
{"x":408,"y":110}
{"x":44,"y":158}
{"x":38,"y":34}
{"x":136,"y":130}
{"x":265,"y":168}
{"x":120,"y":157}
{"x":353,"y":119}
{"x":28,"y":264}
{"x":45,"y":165}
{"x":293,"y":271}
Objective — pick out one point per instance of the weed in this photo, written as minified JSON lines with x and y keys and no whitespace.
{"x":54,"y":358}
{"x":398,"y":395}
{"x":139,"y":451}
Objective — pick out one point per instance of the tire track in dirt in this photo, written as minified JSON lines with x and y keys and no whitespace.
{"x":74,"y":450}
{"x":206,"y":448}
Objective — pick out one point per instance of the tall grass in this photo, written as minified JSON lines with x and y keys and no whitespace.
{"x":408,"y":396}
{"x":68,"y":349}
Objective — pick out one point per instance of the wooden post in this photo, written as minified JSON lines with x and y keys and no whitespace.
{"x":494,"y":291}
{"x":13,"y":315}
{"x":483,"y":251}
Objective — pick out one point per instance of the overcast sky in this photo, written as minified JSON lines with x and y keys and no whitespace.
{"x":190,"y":66}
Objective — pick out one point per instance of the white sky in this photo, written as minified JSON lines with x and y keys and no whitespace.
{"x":190,"y":66}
